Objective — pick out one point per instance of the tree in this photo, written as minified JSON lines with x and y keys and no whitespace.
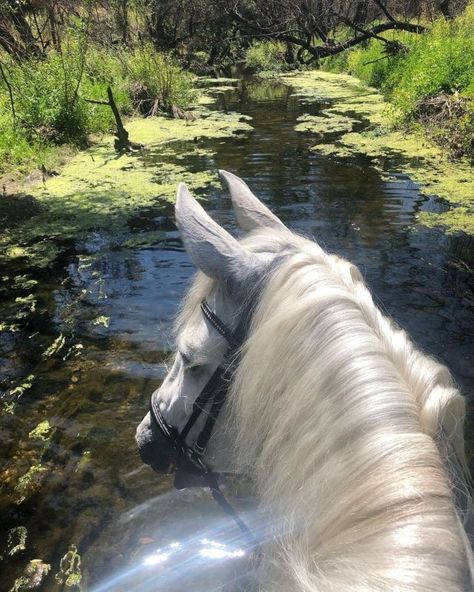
{"x":311,"y":24}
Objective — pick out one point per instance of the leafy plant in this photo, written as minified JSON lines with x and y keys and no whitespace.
{"x":155,"y":82}
{"x":266,"y":56}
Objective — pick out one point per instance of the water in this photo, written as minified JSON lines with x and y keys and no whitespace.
{"x":116,"y":307}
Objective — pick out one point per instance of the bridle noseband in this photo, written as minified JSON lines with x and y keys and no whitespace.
{"x":210,"y":402}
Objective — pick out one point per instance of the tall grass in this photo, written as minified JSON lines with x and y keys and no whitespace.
{"x":50,"y":96}
{"x":155,"y":81}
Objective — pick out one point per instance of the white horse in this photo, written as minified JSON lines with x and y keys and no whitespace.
{"x":352,"y":437}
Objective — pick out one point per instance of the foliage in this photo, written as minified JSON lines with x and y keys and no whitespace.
{"x":156,"y":82}
{"x":431,"y":82}
{"x":266,"y":56}
{"x":50,"y":97}
{"x":442,"y":61}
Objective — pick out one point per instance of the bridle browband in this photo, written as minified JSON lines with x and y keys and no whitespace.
{"x":209,"y":402}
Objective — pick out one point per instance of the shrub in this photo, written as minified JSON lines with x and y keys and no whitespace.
{"x":432,"y":82}
{"x":155,"y":82}
{"x":441,"y":61}
{"x":50,"y":96}
{"x":46,"y":95}
{"x":266,"y":56}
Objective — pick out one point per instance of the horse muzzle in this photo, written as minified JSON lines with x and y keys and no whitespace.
{"x":153,"y":447}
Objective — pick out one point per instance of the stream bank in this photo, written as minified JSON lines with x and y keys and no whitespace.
{"x":391,"y":151}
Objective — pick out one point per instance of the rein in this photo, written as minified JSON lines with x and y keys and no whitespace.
{"x":210,"y":402}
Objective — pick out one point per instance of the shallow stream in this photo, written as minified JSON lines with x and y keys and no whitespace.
{"x":107,"y":312}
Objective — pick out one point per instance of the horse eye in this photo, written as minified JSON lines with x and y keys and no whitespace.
{"x":188,"y":363}
{"x":185,"y":359}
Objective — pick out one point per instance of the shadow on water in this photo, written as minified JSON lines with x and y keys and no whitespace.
{"x":116,"y":307}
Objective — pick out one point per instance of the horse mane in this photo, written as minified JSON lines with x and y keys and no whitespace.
{"x":354,"y":437}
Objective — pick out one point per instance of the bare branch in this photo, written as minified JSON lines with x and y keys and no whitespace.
{"x":383,"y":8}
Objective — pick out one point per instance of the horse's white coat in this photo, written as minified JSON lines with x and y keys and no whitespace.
{"x":353,"y":437}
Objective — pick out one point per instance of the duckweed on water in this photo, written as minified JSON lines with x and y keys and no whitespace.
{"x":100,"y":189}
{"x":390,"y":150}
{"x":325,"y":124}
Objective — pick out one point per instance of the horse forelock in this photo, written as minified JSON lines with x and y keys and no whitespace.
{"x":354,"y":438}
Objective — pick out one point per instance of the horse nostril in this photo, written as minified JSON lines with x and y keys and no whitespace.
{"x":154,"y":451}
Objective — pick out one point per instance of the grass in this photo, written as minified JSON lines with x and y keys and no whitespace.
{"x":49,"y":98}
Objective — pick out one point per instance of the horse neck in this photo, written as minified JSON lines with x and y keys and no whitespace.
{"x":334,"y":436}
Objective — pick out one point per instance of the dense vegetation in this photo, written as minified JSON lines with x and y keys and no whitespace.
{"x":56,"y":56}
{"x":46,"y":102}
{"x":429,"y":79}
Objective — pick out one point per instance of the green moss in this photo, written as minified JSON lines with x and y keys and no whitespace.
{"x":389,"y":149}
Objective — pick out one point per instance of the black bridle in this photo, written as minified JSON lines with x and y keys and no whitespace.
{"x":209,"y":402}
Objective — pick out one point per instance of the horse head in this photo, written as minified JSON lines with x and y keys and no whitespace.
{"x":229,"y":279}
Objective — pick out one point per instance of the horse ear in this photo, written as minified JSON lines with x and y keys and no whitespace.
{"x":212,"y":249}
{"x":250,"y":211}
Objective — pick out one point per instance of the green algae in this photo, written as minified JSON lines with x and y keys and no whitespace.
{"x":55,"y":347}
{"x":84,"y":461}
{"x":32,"y":577}
{"x":43,"y":431}
{"x":70,"y":573}
{"x":16,"y":540}
{"x":29,"y":483}
{"x":206,"y":82}
{"x":325,"y":124}
{"x":145,"y":239}
{"x":19,"y":390}
{"x":100,"y":190}
{"x":390,"y":150}
{"x":102,"y":321}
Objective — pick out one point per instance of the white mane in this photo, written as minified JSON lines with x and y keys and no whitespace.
{"x":353,"y":437}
